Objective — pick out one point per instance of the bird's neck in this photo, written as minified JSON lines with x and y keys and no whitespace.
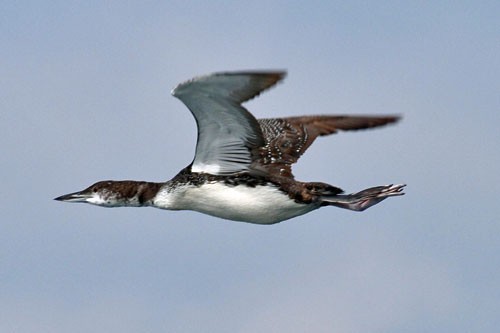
{"x":131,"y":193}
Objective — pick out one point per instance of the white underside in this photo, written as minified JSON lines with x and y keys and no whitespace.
{"x":260,"y":204}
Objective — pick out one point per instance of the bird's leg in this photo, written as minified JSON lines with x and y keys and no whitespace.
{"x":364,"y":199}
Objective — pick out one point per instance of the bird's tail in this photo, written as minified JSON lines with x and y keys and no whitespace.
{"x":364,"y":199}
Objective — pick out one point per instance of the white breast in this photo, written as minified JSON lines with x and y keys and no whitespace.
{"x":260,"y":204}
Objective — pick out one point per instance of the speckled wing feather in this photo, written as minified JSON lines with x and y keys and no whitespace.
{"x":288,"y":138}
{"x":227,"y":132}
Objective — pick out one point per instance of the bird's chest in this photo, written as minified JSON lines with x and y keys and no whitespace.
{"x":262,"y":204}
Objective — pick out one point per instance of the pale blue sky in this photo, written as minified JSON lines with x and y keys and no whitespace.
{"x":84,"y":96}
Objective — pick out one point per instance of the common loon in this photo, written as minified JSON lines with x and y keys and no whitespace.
{"x":241,"y":170}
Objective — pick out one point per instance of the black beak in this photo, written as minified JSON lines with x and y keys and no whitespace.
{"x":73,"y":197}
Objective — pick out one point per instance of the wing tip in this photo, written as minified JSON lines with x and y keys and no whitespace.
{"x":381,"y":120}
{"x":270,"y":77}
{"x":277,"y":74}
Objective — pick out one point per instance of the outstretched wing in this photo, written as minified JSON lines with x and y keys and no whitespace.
{"x":227,"y":132}
{"x":286,"y":139}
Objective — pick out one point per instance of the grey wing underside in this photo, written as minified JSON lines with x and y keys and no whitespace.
{"x":227,"y":133}
{"x":286,"y":139}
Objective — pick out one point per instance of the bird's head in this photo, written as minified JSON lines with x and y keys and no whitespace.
{"x":111,"y":193}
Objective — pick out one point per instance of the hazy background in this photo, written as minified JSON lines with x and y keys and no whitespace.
{"x":84,"y":96}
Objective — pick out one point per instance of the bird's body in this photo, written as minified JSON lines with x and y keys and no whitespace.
{"x":242,"y":167}
{"x":262,"y":204}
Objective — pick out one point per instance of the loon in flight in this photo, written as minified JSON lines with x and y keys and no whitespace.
{"x":241,"y":170}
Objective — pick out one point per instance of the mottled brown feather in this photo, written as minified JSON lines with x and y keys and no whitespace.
{"x":288,"y":138}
